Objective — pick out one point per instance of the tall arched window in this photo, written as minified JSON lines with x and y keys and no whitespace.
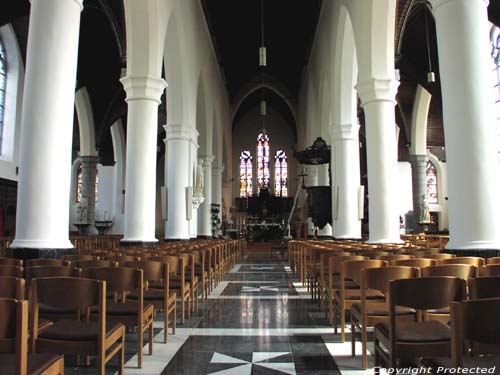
{"x":495,"y":55}
{"x":3,"y":86}
{"x":432,"y":186}
{"x":280,"y":174}
{"x":263,"y":175}
{"x":245,"y":174}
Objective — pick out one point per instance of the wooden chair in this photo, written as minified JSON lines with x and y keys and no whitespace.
{"x":344,"y":298}
{"x":86,"y":264}
{"x":474,"y":261}
{"x":74,"y":258}
{"x":191,"y":278}
{"x":177,"y":282}
{"x":11,"y":262}
{"x":77,"y":337}
{"x":415,"y":262}
{"x":133,"y":314}
{"x":12,"y":271}
{"x":393,"y":257}
{"x":46,"y":262}
{"x":494,"y":260}
{"x":485,"y":287}
{"x":490,"y":270}
{"x":334,"y":262}
{"x":12,"y":287}
{"x":164,"y":299}
{"x":408,"y":340}
{"x":474,"y":337}
{"x":367,"y":313}
{"x":14,"y":340}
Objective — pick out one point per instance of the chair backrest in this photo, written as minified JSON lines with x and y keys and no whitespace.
{"x":11,"y":262}
{"x":463,"y":271}
{"x":68,"y":292}
{"x":494,"y":260}
{"x":120,"y":279}
{"x":14,"y":331}
{"x":94,"y":263}
{"x":47,"y":262}
{"x":12,"y":287}
{"x":351,"y":269}
{"x":485,"y":287}
{"x":426,"y":293}
{"x":475,"y":261}
{"x":13,"y":271}
{"x":335,"y":261}
{"x":74,"y":258}
{"x":415,"y":262}
{"x":490,"y":270}
{"x":379,"y":278}
{"x":440,"y":256}
{"x":175,"y":263}
{"x":474,"y":322}
{"x":152,"y":270}
{"x":122,"y":258}
{"x":394,"y":257}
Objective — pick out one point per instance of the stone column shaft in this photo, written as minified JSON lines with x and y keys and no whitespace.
{"x":193,"y":223}
{"x":178,"y":140}
{"x":217,"y":187}
{"x":143,"y":98}
{"x":346,"y":186}
{"x":205,"y":214}
{"x":378,"y":100}
{"x":89,"y":178}
{"x":324,"y":180}
{"x":419,"y":182}
{"x":471,"y":152}
{"x":47,"y":126}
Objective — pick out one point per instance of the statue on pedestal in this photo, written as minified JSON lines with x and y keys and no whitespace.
{"x":198,"y":197}
{"x":82,"y":212}
{"x":425,"y":215}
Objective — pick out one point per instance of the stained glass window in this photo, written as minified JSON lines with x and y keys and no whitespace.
{"x":263,"y":175}
{"x":79,"y":184}
{"x":246,"y":174}
{"x":495,"y":55}
{"x":280,"y":174}
{"x":3,"y":85}
{"x":432,"y":187}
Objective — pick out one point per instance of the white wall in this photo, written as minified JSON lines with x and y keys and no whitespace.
{"x":245,"y":138}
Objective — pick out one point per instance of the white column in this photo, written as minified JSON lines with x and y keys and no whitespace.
{"x":178,"y":139}
{"x":217,"y":187}
{"x":324,"y":180}
{"x":47,"y":125}
{"x":143,"y":98}
{"x":193,"y":223}
{"x":205,"y":214}
{"x":346,"y":172}
{"x":469,"y":123}
{"x":378,"y":100}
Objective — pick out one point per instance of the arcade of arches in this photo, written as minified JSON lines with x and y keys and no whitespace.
{"x":152,"y":121}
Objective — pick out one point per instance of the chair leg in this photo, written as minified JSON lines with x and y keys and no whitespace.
{"x":353,"y":337}
{"x":174,"y":320}
{"x":150,"y":336}
{"x":101,"y":364}
{"x":121,"y":370}
{"x":165,"y":324}
{"x":140,"y":344}
{"x":342,"y":322}
{"x":364,"y":339}
{"x":183,"y":311}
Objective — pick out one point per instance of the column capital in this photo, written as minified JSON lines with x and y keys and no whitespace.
{"x":217,"y":170}
{"x":377,"y":89}
{"x":143,"y":88}
{"x":89,"y":159}
{"x":438,"y":3}
{"x":207,"y":160}
{"x":180,"y":132}
{"x":348,"y":131}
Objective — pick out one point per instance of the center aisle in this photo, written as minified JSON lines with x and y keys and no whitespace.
{"x":259,"y":320}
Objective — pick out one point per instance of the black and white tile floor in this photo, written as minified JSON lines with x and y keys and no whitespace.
{"x":258,"y":321}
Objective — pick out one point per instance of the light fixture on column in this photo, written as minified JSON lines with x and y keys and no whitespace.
{"x":431,"y":76}
{"x":262,"y":49}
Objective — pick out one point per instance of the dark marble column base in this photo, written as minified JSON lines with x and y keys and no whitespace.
{"x":138,"y":243}
{"x":29,"y":253}
{"x":483,"y":253}
{"x":324,"y":237}
{"x":347,"y":239}
{"x":205,"y":237}
{"x":176,"y":240}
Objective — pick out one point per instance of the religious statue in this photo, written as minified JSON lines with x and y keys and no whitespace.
{"x":82,"y":211}
{"x":198,"y":185}
{"x":425,"y":215}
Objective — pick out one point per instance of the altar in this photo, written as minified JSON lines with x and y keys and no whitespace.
{"x":263,"y":232}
